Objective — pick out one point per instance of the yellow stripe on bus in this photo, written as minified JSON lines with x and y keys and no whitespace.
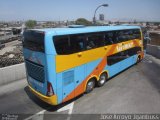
{"x":64,"y":62}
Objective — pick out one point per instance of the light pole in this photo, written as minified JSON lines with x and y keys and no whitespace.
{"x":94,"y":18}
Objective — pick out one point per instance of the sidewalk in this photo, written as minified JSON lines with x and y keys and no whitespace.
{"x":11,"y":87}
{"x":156,"y":60}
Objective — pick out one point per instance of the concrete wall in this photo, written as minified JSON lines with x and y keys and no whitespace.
{"x":153,"y":50}
{"x":12,"y":73}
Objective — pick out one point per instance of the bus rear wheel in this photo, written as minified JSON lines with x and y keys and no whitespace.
{"x":102,"y":79}
{"x":90,"y":85}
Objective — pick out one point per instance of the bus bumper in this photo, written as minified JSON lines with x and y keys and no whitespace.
{"x":50,"y":100}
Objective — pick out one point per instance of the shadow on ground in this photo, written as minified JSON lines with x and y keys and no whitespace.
{"x":42,"y":104}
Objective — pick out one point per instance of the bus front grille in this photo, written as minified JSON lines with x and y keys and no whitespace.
{"x":35,"y":71}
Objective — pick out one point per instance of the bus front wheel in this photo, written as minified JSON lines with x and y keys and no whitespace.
{"x":90,"y":85}
{"x":139,"y":59}
{"x":102,"y":79}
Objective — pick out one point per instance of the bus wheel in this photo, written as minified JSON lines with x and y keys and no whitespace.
{"x":90,"y":85}
{"x":138,"y":59}
{"x":102,"y":79}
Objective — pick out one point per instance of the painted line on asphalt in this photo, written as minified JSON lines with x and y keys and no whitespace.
{"x":67,"y":107}
{"x":34,"y":117}
{"x":39,"y":115}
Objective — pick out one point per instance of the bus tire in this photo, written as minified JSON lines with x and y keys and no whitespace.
{"x":90,"y":85}
{"x":102,"y":79}
{"x":138,"y":59}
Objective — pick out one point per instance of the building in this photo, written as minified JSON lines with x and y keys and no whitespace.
{"x":101,"y":17}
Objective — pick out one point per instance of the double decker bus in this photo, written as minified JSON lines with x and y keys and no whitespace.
{"x":62,"y":63}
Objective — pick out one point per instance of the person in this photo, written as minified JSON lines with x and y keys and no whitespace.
{"x":90,"y":44}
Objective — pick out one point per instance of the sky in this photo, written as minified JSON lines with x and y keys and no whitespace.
{"x":55,"y":10}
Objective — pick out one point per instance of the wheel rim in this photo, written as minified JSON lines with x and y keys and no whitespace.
{"x":102,"y":79}
{"x":90,"y":85}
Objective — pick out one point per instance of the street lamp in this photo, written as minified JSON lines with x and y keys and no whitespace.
{"x":94,"y":18}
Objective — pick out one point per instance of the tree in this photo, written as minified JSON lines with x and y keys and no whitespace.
{"x":30,"y":24}
{"x":83,"y":21}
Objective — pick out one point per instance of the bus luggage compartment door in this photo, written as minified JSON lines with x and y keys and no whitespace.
{"x":68,"y":84}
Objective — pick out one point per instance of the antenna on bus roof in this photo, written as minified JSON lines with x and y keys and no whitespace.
{"x":76,"y":26}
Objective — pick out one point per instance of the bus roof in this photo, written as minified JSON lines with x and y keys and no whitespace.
{"x":85,"y":29}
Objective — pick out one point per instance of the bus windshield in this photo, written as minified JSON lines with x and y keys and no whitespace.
{"x":34,"y":40}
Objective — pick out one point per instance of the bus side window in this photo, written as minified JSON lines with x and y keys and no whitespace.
{"x":108,"y":38}
{"x":69,"y":44}
{"x":125,"y":35}
{"x":77,"y":43}
{"x":94,"y":40}
{"x":131,"y":35}
{"x":90,"y":44}
{"x":61,"y":44}
{"x":115,"y":58}
{"x":112,"y":59}
{"x":116,"y":37}
{"x":121,"y":36}
{"x":136,"y":34}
